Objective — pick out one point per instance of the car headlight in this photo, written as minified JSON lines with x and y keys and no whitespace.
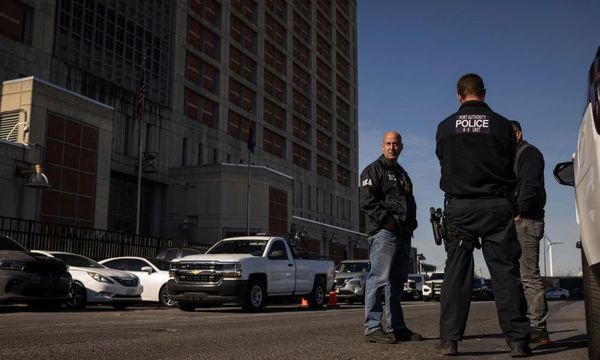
{"x":232,"y":270}
{"x":99,"y":277}
{"x":12,"y":265}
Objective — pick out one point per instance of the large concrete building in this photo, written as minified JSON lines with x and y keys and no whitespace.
{"x":213,"y":70}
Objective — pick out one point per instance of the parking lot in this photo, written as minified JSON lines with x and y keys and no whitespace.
{"x":282,"y":331}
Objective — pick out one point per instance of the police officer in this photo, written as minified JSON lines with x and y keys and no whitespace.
{"x":387,"y":200}
{"x":476,"y":150}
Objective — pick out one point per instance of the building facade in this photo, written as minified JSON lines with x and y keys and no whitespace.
{"x":213,"y":70}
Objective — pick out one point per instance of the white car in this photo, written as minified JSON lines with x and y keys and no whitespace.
{"x":557,"y":293}
{"x":94,"y":283}
{"x":153,"y":274}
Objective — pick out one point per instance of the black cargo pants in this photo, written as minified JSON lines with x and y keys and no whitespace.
{"x":491,"y":220}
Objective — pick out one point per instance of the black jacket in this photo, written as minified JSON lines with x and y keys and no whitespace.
{"x":530,"y":192}
{"x":386,"y":193}
{"x":476,"y":149}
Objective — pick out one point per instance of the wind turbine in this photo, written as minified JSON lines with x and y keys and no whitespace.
{"x":550,"y":243}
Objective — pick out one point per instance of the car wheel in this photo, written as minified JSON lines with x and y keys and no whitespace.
{"x":186,"y":306}
{"x":563,"y":297}
{"x":255,"y":297}
{"x":119,"y":306}
{"x":78,"y":297}
{"x":417,"y":295}
{"x":163,"y":297}
{"x":317,"y":297}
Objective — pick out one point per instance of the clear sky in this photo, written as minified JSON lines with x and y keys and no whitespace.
{"x":533,"y":55}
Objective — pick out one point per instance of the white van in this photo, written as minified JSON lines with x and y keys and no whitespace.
{"x":583,"y":172}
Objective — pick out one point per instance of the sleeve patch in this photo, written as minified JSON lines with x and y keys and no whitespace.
{"x":367,"y":182}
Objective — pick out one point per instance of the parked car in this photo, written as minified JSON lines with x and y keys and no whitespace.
{"x":249,"y":270}
{"x":413,"y":288}
{"x":481,"y":289}
{"x":94,"y":283}
{"x":153,"y":275}
{"x":557,"y":293}
{"x":432,"y":289}
{"x":31,"y":279}
{"x":350,"y":278}
{"x":170,"y":254}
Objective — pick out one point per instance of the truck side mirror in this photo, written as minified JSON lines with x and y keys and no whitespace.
{"x":564,"y":173}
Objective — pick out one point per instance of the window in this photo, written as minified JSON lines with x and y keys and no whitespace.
{"x":342,"y":87}
{"x":202,"y":73}
{"x":343,"y":110}
{"x":301,"y":129}
{"x":323,"y":25}
{"x":343,"y":131}
{"x":243,"y":34}
{"x":323,"y":71}
{"x":301,"y":103}
{"x":273,"y":143}
{"x":301,"y":78}
{"x":203,"y":39}
{"x":239,"y":126}
{"x":343,"y":176}
{"x":277,"y":7}
{"x":278,"y":251}
{"x":274,"y":114}
{"x":324,"y":95}
{"x":184,"y":152}
{"x":323,"y":48}
{"x":342,"y":23}
{"x":274,"y":86}
{"x":324,"y":143}
{"x":241,"y":95}
{"x":342,"y":44}
{"x":343,"y":6}
{"x":323,"y":167}
{"x":323,"y":118}
{"x":275,"y":58}
{"x":246,"y":8}
{"x":242,"y":64}
{"x":207,"y":9}
{"x":303,"y":6}
{"x":325,"y":6}
{"x":275,"y":31}
{"x":342,"y":65}
{"x":301,"y":156}
{"x":200,"y":108}
{"x":343,"y":154}
{"x":301,"y":53}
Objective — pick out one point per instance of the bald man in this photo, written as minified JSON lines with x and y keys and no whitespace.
{"x":386,"y":197}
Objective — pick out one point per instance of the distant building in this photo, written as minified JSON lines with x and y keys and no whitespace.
{"x":213,"y":68}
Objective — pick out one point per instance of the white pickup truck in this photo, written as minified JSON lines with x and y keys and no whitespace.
{"x":248,"y":271}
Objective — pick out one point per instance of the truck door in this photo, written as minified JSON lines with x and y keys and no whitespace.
{"x":281,"y":269}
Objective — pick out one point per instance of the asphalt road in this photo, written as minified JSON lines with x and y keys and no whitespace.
{"x":281,"y":332}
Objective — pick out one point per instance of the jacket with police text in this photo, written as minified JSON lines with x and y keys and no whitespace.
{"x":386,"y":193}
{"x":476,"y":148}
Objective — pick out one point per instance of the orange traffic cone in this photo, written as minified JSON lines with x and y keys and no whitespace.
{"x":333,"y":300}
{"x":303,"y":303}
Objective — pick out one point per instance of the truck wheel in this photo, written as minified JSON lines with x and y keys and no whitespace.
{"x":591,"y":292}
{"x":255,"y":298}
{"x":186,"y":306}
{"x":316,"y":298}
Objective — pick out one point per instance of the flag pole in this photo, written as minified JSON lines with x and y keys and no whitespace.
{"x":251,"y":145}
{"x":140,"y":117}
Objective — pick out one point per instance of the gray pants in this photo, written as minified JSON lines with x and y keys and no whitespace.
{"x":530,"y":232}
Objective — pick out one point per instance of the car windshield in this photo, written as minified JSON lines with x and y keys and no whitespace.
{"x":7,"y":243}
{"x":160,"y":264}
{"x":353,"y":267}
{"x":437,"y":276}
{"x":77,"y":260}
{"x":416,"y":279}
{"x":252,"y":247}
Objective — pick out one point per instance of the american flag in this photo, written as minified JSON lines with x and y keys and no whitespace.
{"x":139,"y":99}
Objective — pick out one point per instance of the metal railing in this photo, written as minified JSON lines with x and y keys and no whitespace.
{"x":93,"y":243}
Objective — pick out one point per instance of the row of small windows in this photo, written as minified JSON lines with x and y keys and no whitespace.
{"x":322,"y":202}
